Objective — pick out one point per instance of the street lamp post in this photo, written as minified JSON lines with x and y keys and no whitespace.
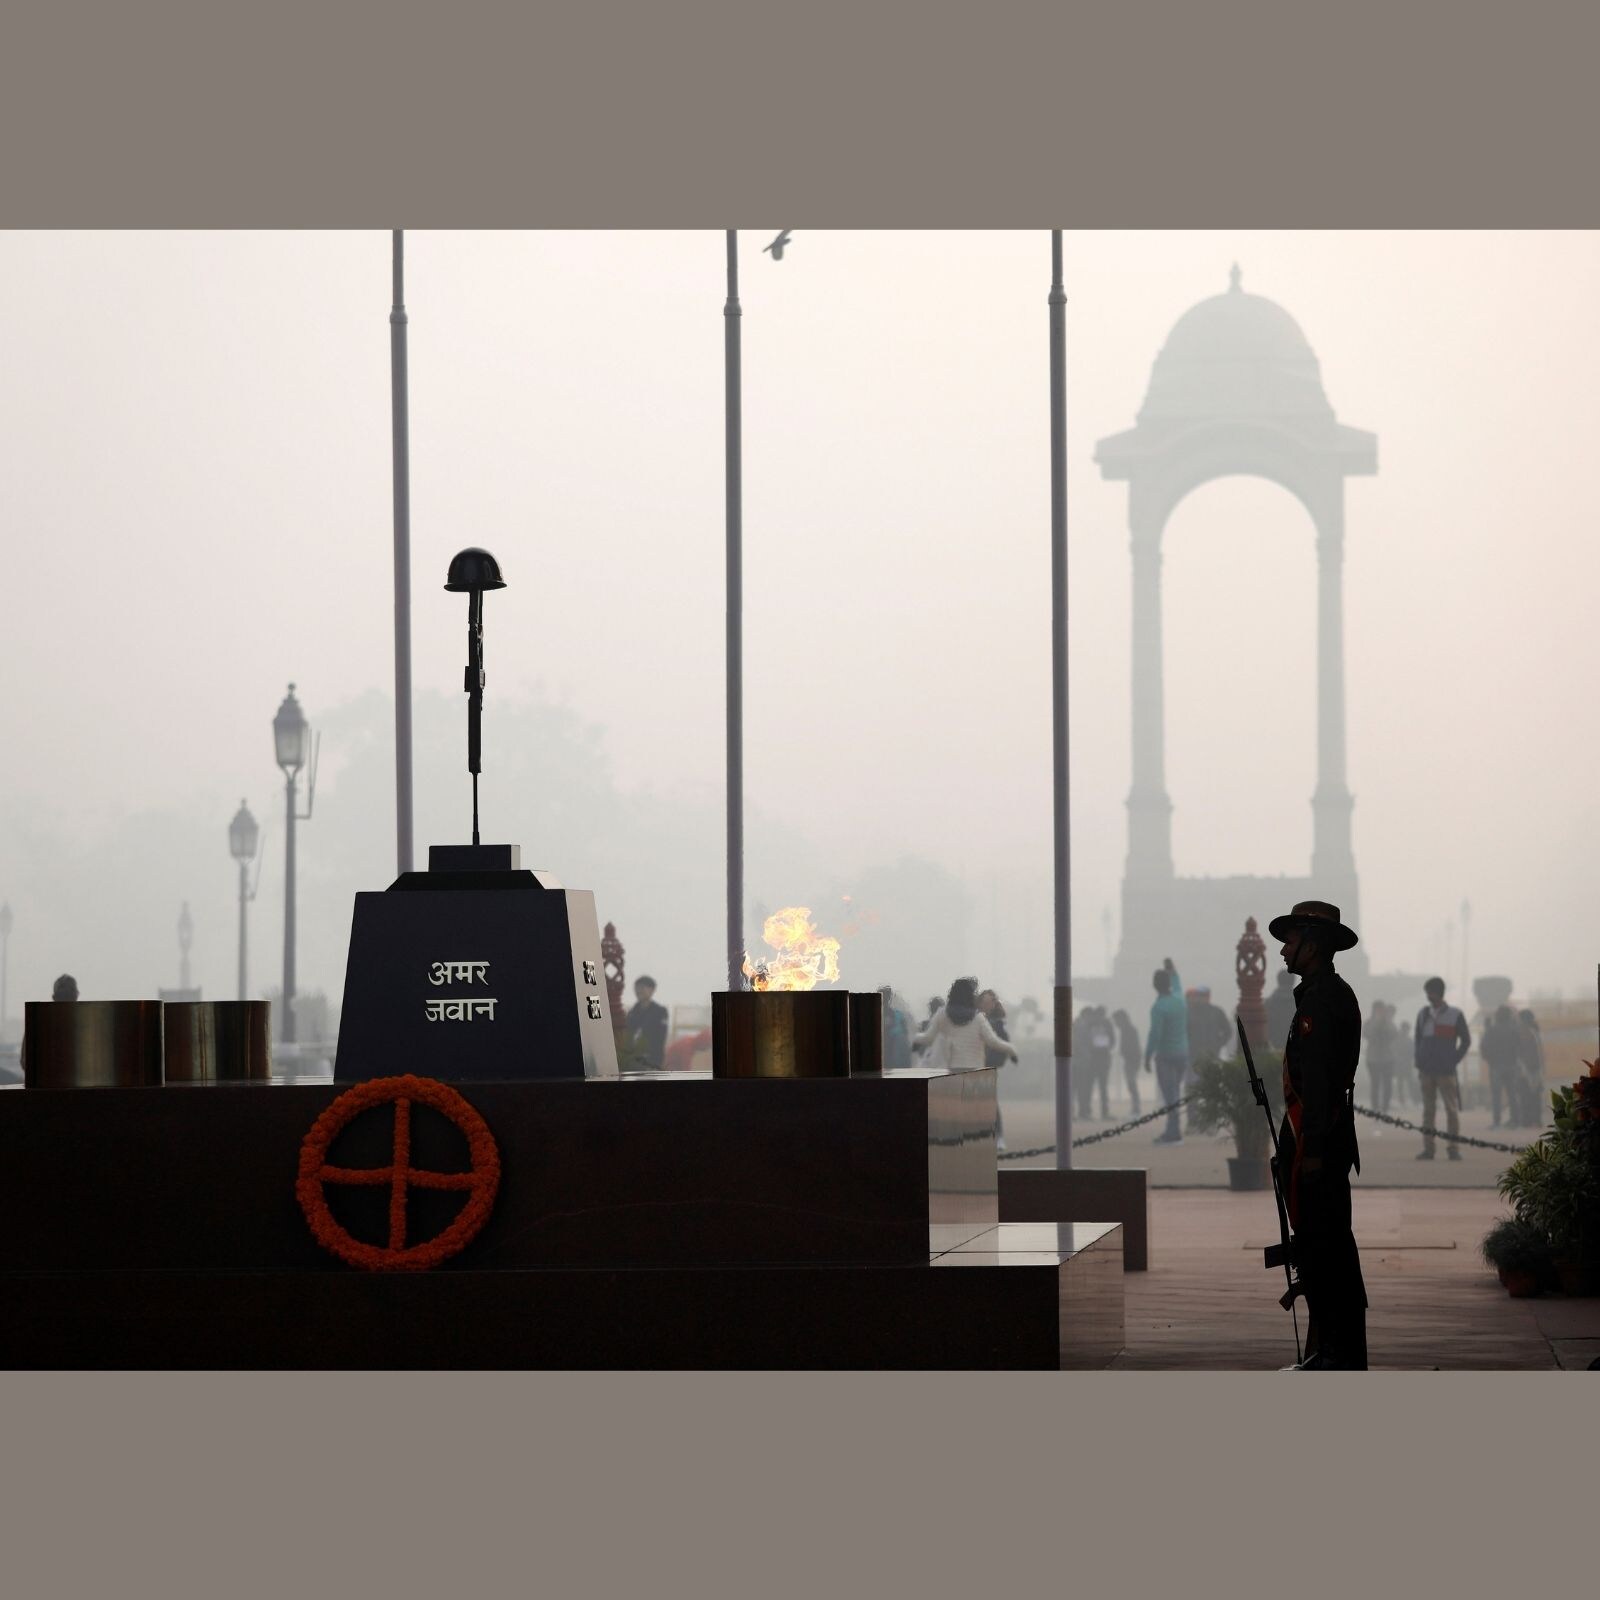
{"x":244,"y":832}
{"x":1059,"y":705}
{"x":733,"y":485}
{"x":399,"y":406}
{"x":294,"y":744}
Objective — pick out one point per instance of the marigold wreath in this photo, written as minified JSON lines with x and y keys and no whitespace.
{"x":482,"y":1181}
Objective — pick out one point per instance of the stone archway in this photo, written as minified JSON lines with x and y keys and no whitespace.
{"x":1236,"y":390}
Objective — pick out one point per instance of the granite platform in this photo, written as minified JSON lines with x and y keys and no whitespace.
{"x":650,"y":1220}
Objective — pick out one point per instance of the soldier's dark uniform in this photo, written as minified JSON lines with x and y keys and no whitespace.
{"x":1319,"y":1074}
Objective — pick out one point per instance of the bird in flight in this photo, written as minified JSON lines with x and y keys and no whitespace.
{"x":777,"y":245}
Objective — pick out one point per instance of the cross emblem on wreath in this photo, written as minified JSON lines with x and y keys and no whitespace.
{"x":480,"y":1181}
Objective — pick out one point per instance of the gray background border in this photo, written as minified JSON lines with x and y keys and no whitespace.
{"x":172,"y":114}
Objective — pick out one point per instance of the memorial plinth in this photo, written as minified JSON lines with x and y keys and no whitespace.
{"x":652,"y":1220}
{"x":468,"y":976}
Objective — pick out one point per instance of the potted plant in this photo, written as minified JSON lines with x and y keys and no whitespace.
{"x":1520,"y":1254}
{"x":1554,"y":1186}
{"x":1221,"y":1097}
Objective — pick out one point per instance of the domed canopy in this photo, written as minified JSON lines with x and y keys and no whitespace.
{"x":1235,"y":355}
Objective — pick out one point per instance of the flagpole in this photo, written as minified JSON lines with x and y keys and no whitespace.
{"x":399,"y":407}
{"x":735,"y":619}
{"x":1058,"y":665}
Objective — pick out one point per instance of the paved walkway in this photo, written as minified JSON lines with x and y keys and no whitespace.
{"x":1207,"y":1303}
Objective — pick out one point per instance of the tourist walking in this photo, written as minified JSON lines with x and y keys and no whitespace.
{"x":1383,"y":1040}
{"x":896,"y":1031}
{"x":1403,"y":1074}
{"x":1319,"y":1135}
{"x":1101,"y":1040}
{"x":1531,"y":1060}
{"x":1441,"y":1038}
{"x":1082,"y":1076}
{"x":1280,"y":1012}
{"x":1502,"y":1052}
{"x":996,"y":1055}
{"x":1210,"y":1033}
{"x":1167,"y":1045}
{"x":958,"y":1035}
{"x":1128,"y":1049}
{"x":647,"y":1024}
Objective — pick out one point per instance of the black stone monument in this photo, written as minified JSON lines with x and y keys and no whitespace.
{"x":475,"y":969}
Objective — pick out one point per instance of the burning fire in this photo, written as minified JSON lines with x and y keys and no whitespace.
{"x":805,"y":957}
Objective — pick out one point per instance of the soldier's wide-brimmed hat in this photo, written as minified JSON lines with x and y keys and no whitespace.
{"x":1319,"y":917}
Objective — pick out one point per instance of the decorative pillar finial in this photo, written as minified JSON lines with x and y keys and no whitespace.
{"x":1250,"y":968}
{"x":612,"y":957}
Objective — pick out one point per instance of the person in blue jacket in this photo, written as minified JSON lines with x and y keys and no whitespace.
{"x":1168,"y":1045}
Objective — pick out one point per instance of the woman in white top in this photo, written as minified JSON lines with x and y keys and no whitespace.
{"x":957,"y":1035}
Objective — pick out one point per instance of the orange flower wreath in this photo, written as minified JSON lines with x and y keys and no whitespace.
{"x":483,"y":1180}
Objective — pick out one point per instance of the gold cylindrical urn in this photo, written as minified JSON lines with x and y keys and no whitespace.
{"x":217,"y":1041}
{"x":91,"y":1044}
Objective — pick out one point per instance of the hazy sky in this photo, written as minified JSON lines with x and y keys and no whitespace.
{"x":194,"y":459}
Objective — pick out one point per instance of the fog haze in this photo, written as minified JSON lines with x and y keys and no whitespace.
{"x":194,"y":456}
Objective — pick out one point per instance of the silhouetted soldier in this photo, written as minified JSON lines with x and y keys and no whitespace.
{"x":1319,"y":1135}
{"x":1280,"y":1011}
{"x":1441,"y":1039}
{"x":647,"y":1023}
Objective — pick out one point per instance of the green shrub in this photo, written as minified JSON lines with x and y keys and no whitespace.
{"x":1553,"y":1187}
{"x":1515,"y":1245}
{"x":1221,"y":1097}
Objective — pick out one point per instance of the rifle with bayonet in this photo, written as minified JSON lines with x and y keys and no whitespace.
{"x":1282,"y":1253}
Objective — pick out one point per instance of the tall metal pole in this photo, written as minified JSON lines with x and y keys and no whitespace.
{"x":287,"y":1031}
{"x":402,"y":562}
{"x":1058,"y":674}
{"x":243,"y":930}
{"x":735,"y":609}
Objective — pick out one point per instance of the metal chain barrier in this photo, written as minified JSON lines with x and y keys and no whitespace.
{"x":1366,"y":1111}
{"x":1439,"y":1133}
{"x":1095,"y":1138}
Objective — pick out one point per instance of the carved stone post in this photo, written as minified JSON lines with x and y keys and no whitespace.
{"x":1250,"y":968}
